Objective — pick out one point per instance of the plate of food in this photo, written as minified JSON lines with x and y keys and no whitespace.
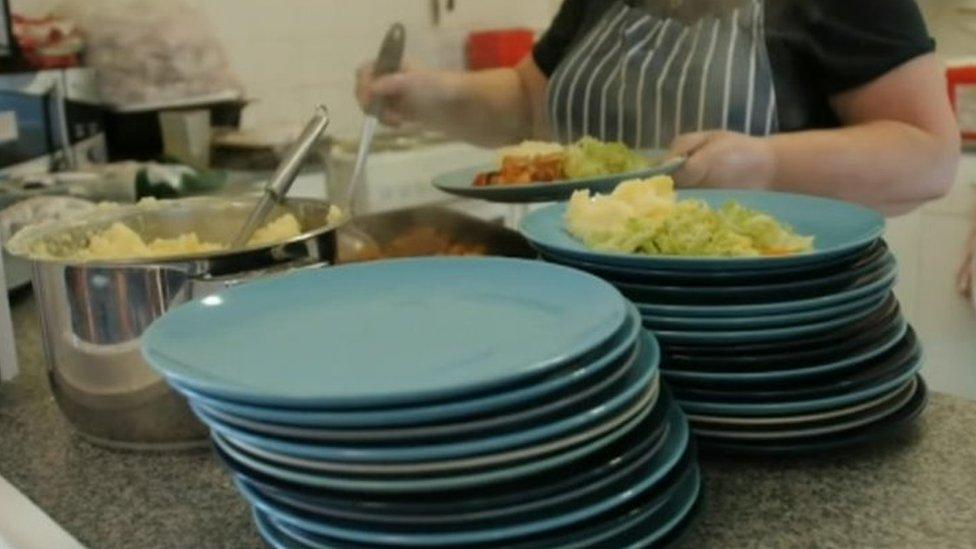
{"x":537,"y":171}
{"x":647,"y":224}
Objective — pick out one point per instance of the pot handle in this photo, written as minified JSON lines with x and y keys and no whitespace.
{"x":204,"y":285}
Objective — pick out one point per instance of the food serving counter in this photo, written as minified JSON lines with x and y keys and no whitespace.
{"x":916,"y":490}
{"x":913,"y":490}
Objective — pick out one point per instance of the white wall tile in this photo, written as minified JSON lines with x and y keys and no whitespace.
{"x":944,"y":320}
{"x":904,"y":239}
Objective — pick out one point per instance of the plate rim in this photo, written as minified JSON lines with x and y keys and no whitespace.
{"x":188,"y":374}
{"x":891,"y":399}
{"x":768,"y":409}
{"x":460,"y":481}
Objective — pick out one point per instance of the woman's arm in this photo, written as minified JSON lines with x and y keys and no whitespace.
{"x":490,"y":107}
{"x":898,"y":149}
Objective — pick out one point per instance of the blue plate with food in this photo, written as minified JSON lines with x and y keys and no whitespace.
{"x":645,"y":224}
{"x":548,"y":172}
{"x":461,"y":327}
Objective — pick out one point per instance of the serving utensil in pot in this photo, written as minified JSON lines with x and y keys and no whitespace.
{"x":284,"y":176}
{"x":354,"y":241}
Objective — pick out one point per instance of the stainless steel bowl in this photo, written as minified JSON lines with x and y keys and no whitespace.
{"x":93,"y":314}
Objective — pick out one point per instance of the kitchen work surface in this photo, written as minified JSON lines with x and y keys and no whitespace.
{"x":914,"y":491}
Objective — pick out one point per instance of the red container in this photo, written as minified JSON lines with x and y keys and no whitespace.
{"x":961,"y":79}
{"x":498,"y":48}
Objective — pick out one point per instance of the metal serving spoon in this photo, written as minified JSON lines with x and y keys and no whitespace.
{"x":284,"y":176}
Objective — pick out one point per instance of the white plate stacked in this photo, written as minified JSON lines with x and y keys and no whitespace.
{"x":437,"y":402}
{"x":772,"y":355}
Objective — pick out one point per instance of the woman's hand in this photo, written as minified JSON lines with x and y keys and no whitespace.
{"x":724,"y":160}
{"x":490,"y":107}
{"x":414,"y":94}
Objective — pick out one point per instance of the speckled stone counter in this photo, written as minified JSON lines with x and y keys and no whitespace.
{"x":916,"y":491}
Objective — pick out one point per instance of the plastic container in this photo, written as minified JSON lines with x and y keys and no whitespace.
{"x":498,"y":48}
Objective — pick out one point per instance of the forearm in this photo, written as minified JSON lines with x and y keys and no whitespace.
{"x":489,"y":107}
{"x":888,"y":165}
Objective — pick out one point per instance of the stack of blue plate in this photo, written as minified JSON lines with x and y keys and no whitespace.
{"x":438,"y":402}
{"x":772,"y":355}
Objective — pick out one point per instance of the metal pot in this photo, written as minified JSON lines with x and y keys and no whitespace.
{"x":93,"y":314}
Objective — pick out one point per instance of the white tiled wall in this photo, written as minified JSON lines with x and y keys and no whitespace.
{"x":929,"y":246}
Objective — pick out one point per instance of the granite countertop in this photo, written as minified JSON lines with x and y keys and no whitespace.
{"x":918,"y":490}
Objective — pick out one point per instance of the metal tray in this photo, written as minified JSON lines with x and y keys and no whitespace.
{"x":461,"y":228}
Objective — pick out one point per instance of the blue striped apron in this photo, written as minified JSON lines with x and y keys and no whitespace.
{"x":644,"y":80}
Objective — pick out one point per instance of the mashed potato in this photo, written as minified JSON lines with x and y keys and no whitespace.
{"x":120,"y":241}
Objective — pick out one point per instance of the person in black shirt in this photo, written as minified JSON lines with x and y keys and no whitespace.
{"x":842,"y":98}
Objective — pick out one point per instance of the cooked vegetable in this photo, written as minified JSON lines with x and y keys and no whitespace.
{"x":644,"y":216}
{"x":541,"y":162}
{"x":592,"y":158}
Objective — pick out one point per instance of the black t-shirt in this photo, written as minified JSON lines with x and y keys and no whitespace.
{"x":817,"y":48}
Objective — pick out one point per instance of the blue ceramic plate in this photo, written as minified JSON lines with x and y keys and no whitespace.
{"x":620,"y":493}
{"x":503,"y":458}
{"x":838,"y":228}
{"x":481,"y":425}
{"x":615,"y":352}
{"x":801,"y":420}
{"x":272,"y":535}
{"x":881,"y":286}
{"x":459,"y":183}
{"x":498,"y":500}
{"x":800,"y":407}
{"x":406,"y":485}
{"x":655,"y":322}
{"x":652,"y":522}
{"x":883,"y":429}
{"x":565,"y":511}
{"x":763,"y":335}
{"x":387,"y":333}
{"x":865,"y":375}
{"x":653,"y":519}
{"x":638,"y":389}
{"x":759,"y":293}
{"x":897,"y":399}
{"x":751,"y":378}
{"x":827,"y":267}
